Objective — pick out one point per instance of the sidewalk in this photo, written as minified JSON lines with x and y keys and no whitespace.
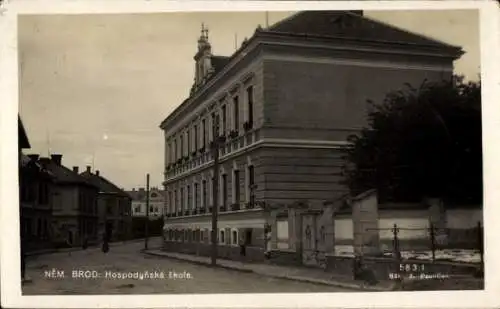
{"x":309,"y":275}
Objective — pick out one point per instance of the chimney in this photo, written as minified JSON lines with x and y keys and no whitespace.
{"x":88,"y":169}
{"x":75,"y":169}
{"x":141,"y":189}
{"x":97,"y":173}
{"x":133,"y":189}
{"x":33,"y":157}
{"x":57,"y":158}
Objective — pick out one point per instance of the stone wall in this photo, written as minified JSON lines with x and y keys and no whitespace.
{"x":284,"y":257}
{"x":461,"y":228}
{"x":366,"y":236}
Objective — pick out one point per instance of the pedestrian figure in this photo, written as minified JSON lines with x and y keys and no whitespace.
{"x":243,"y":246}
{"x":69,"y":243}
{"x":105,"y":244}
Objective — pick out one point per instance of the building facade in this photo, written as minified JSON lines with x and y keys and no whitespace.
{"x":35,"y":192}
{"x":285,"y":103}
{"x":156,"y":202}
{"x":74,"y":205}
{"x":114,"y":207}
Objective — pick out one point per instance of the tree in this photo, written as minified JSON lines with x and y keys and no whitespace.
{"x":421,"y":142}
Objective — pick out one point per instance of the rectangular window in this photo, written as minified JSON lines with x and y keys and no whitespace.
{"x":181,"y":206}
{"x":181,"y":146}
{"x":204,"y":194}
{"x":175,"y":150}
{"x":250,"y":104}
{"x":237,"y":186}
{"x":204,"y":133}
{"x":170,"y":202}
{"x":224,"y":119}
{"x":236,"y":113}
{"x":188,"y":141}
{"x":251,"y":183}
{"x":189,"y":205}
{"x":195,"y":137}
{"x":167,"y":154}
{"x":196,"y":195}
{"x":224,"y":190}
{"x":215,"y":126}
{"x":43,"y":193}
{"x":176,"y":201}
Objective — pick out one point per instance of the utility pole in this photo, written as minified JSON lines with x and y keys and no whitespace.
{"x":215,"y":189}
{"x":147,"y":214}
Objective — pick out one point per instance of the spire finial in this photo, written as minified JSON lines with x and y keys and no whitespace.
{"x":204,"y":31}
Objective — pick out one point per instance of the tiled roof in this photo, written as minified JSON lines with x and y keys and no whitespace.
{"x":347,"y":24}
{"x":350,"y":25}
{"x":104,"y":185}
{"x":63,"y":174}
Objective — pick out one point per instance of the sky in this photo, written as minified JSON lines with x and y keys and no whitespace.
{"x":95,"y":88}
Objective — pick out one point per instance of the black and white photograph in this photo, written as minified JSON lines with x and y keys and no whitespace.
{"x":260,"y":151}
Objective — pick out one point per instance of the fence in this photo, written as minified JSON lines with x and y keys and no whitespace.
{"x":436,"y":244}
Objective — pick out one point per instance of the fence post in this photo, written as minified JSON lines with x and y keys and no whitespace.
{"x":397,"y":253}
{"x":433,"y":242}
{"x":480,"y":245}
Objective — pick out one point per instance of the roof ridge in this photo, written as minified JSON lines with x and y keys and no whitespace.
{"x":406,"y":31}
{"x":284,"y":20}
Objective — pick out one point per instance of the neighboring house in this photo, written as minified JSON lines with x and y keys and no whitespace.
{"x":285,"y":101}
{"x":74,"y":204}
{"x":156,"y":202}
{"x":35,"y":185}
{"x":114,"y":207}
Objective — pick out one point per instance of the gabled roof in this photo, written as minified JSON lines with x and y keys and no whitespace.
{"x":345,"y":25}
{"x":62,"y":174}
{"x":350,"y":25}
{"x":104,"y":185}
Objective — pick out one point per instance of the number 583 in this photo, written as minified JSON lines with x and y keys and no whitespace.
{"x":411,"y":267}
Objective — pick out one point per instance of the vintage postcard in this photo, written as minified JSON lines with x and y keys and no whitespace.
{"x":249,"y":154}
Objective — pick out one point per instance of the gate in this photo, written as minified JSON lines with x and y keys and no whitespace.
{"x":313,"y":240}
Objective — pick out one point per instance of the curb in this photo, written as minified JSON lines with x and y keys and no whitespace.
{"x":245,"y":270}
{"x":285,"y":277}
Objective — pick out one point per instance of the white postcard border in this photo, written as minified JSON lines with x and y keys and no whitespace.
{"x":9,"y":211}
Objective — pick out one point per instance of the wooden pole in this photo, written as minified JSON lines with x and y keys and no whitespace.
{"x":215,"y":191}
{"x":146,"y":226}
{"x":433,"y":242}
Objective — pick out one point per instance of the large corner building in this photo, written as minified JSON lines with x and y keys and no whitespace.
{"x":286,"y":101}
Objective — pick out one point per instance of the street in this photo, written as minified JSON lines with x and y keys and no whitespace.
{"x":71,"y":273}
